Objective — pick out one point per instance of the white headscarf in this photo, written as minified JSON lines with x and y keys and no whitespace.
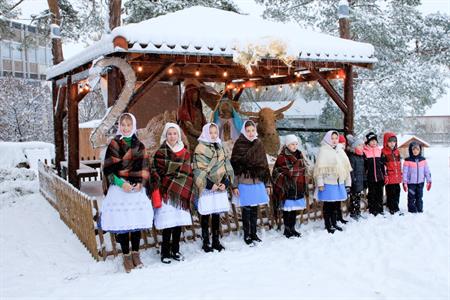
{"x":133,"y":130}
{"x":206,"y":136}
{"x":245,"y":133}
{"x":290,"y":139}
{"x":179,"y":145}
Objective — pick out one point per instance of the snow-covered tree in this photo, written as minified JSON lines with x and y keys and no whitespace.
{"x":25,"y":111}
{"x":139,"y":10}
{"x":413,"y":53}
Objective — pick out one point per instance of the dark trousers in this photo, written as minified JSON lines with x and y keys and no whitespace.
{"x":415,"y":194}
{"x":249,"y":220}
{"x":375,"y":197}
{"x":289,"y":219}
{"x":392,"y":197}
{"x":355,"y":204}
{"x":215,"y":225}
{"x":167,"y":247}
{"x":330,"y":213}
{"x":124,"y":241}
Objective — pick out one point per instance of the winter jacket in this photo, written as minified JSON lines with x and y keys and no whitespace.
{"x":392,"y":161}
{"x":358,"y":174}
{"x":373,"y":164}
{"x":415,"y":168}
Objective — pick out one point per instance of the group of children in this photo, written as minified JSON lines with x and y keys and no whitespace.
{"x":176,"y":183}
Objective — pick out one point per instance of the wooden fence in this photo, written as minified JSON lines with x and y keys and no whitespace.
{"x":80,"y":213}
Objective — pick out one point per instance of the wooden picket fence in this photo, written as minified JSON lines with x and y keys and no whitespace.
{"x":80,"y":213}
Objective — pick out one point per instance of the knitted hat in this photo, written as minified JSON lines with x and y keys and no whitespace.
{"x":353,"y":142}
{"x":371,"y":136}
{"x":290,"y":138}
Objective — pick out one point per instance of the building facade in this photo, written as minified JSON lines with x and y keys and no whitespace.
{"x":21,"y":58}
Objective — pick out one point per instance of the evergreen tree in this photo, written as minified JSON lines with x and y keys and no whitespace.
{"x":412,"y":50}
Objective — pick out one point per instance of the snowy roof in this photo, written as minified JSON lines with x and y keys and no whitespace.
{"x":404,"y":139}
{"x":208,"y":31}
{"x":300,"y":108}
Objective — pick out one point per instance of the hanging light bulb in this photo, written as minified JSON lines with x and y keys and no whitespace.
{"x":257,"y":89}
{"x":280,"y":88}
{"x":225,"y":74}
{"x":170,"y":71}
{"x":197,"y":72}
{"x":230,"y":86}
{"x":140,"y":68}
{"x":250,"y":72}
{"x":243,"y":86}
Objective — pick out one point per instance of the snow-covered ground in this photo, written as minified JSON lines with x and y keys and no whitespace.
{"x":396,"y":257}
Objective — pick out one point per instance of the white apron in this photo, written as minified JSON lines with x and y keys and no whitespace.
{"x":213,"y":202}
{"x":168,"y":216}
{"x":122,"y":211}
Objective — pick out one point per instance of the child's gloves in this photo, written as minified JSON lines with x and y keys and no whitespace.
{"x":428,"y":186}
{"x":405,"y":187}
{"x":156,"y":199}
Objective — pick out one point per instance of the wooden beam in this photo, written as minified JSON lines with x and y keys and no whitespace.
{"x":59,"y":95}
{"x":73,"y":130}
{"x":114,"y":86}
{"x":330,"y":90}
{"x":348,"y":98}
{"x":148,"y":84}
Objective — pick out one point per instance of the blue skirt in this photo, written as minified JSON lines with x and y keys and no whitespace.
{"x":332,"y":193}
{"x":298,"y":204}
{"x":252,"y":194}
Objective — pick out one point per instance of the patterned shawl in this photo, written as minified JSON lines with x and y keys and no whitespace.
{"x":210,"y":162}
{"x":128,"y":162}
{"x":288,"y":175}
{"x":172,"y":174}
{"x":249,"y":159}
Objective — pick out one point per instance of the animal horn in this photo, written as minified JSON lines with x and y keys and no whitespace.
{"x":247,"y":113}
{"x":284,"y":108}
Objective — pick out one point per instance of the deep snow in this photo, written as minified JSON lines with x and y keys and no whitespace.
{"x":397,"y":257}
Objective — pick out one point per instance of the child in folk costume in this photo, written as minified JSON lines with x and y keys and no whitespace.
{"x":213,"y":174}
{"x":289,"y":183}
{"x":172,"y":179}
{"x":390,"y":156}
{"x":126,"y":209}
{"x":415,"y":173}
{"x":251,"y":185}
{"x":358,"y":174}
{"x":332,"y":176}
{"x":375,"y":174}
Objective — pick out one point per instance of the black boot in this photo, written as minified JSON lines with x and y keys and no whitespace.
{"x":293,"y":220}
{"x":216,"y":245}
{"x":246,"y":224}
{"x":327,"y":218}
{"x":287,"y":224}
{"x":253,"y":223}
{"x":204,"y":220}
{"x":334,"y":221}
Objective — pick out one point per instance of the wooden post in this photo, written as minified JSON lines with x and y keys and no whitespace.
{"x":344,"y":32}
{"x":73,"y":140}
{"x":59,"y":95}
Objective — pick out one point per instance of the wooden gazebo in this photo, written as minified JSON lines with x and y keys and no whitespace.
{"x":205,"y":44}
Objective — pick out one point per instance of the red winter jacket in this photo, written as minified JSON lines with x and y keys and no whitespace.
{"x":392,"y":161}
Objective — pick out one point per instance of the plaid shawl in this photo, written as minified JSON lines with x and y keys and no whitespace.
{"x":210,"y":162}
{"x":249,"y":159}
{"x":128,"y":162}
{"x":288,"y":176}
{"x":172,"y":174}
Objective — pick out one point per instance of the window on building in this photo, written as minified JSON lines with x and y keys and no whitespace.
{"x":6,"y":51}
{"x":17,"y":51}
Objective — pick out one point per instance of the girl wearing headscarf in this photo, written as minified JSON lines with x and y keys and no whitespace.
{"x":126,"y":209}
{"x":332,"y":176}
{"x":213,"y":174}
{"x":289,"y":183}
{"x":252,"y":178}
{"x":172,"y":179}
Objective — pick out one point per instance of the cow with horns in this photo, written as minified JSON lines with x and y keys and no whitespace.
{"x":267,"y":130}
